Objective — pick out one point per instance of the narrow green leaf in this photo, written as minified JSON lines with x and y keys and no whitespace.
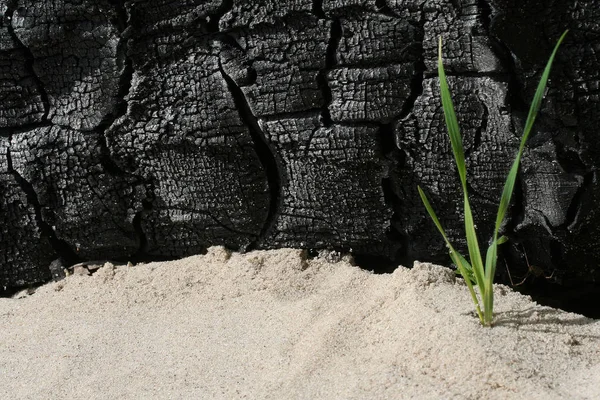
{"x":539,"y":93}
{"x":475,"y":272}
{"x":490,"y":263}
{"x":533,"y":110}
{"x":459,"y":157}
{"x":512,"y":175}
{"x":492,"y":249}
{"x":492,"y":254}
{"x":468,"y":269}
{"x":434,"y":217}
{"x":461,"y":263}
{"x":502,"y":240}
{"x":473,"y":246}
{"x":451,"y":121}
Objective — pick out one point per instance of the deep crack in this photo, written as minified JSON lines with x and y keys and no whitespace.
{"x":391,"y":155}
{"x":266,"y":154}
{"x":60,"y":247}
{"x":330,"y":61}
{"x":317,"y":9}
{"x":392,"y":198}
{"x":504,"y":55}
{"x":416,"y":83}
{"x":479,"y":132}
{"x":213,"y":24}
{"x":147,"y":206}
{"x":385,"y":9}
{"x":29,"y":60}
{"x":573,"y":211}
{"x":119,"y":111}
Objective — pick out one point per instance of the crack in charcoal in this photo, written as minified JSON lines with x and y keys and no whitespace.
{"x":330,"y":61}
{"x":60,"y":247}
{"x":29,"y":60}
{"x":266,"y":154}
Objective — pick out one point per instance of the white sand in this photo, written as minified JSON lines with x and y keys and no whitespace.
{"x":272,"y":325}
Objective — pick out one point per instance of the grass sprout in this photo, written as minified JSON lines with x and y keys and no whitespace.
{"x":475,"y":272}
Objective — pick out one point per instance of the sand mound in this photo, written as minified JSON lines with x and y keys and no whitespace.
{"x":275,"y":325}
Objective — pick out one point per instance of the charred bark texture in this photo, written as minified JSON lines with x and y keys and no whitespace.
{"x":155,"y":129}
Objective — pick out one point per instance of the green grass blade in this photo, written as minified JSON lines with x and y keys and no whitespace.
{"x":459,"y":157}
{"x":461,"y":263}
{"x":491,"y":256}
{"x":533,"y":111}
{"x":451,"y":121}
{"x":467,"y":273}
{"x":502,"y":240}
{"x":490,"y":263}
{"x":431,"y":212}
{"x":468,"y":269}
{"x":539,"y":93}
{"x":475,"y":272}
{"x":473,"y":246}
{"x":512,"y":175}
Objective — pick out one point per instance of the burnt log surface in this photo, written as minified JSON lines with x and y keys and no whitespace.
{"x":154,"y":129}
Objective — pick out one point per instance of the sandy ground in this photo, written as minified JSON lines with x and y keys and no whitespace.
{"x":274,"y":325}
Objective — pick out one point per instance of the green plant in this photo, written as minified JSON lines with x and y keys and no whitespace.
{"x":474,"y":272}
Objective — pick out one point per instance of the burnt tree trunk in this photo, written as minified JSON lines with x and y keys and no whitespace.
{"x":154,"y":129}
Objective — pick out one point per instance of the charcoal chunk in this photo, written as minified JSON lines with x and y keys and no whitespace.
{"x":75,"y":46}
{"x":86,"y":205}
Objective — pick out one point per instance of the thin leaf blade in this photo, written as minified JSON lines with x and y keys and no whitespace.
{"x":451,"y":121}
{"x":492,"y":253}
{"x":432,"y":214}
{"x":461,"y":263}
{"x":533,"y":111}
{"x":459,"y":157}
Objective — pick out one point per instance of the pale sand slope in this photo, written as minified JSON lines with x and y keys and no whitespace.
{"x":272,"y":325}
